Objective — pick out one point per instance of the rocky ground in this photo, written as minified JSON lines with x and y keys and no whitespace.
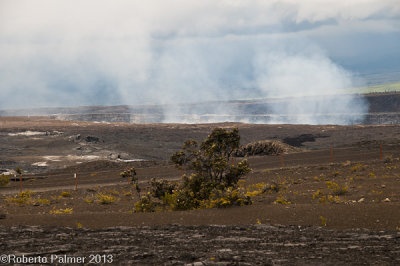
{"x":205,"y":245}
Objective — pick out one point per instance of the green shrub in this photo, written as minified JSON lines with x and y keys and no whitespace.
{"x":227,"y":198}
{"x":145,"y":204}
{"x":4,"y":180}
{"x":213,"y":179}
{"x":161,"y":187}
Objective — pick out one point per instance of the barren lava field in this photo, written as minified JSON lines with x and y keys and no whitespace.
{"x":339,"y":201}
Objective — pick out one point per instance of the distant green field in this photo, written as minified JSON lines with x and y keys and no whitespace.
{"x":377,"y":88}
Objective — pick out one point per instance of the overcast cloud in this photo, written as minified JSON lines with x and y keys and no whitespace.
{"x":69,"y":53}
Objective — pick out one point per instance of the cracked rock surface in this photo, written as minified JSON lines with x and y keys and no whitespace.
{"x":209,"y":245}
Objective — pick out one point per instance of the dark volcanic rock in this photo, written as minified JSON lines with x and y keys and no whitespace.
{"x":298,"y":141}
{"x":92,"y":139}
{"x":208,"y":245}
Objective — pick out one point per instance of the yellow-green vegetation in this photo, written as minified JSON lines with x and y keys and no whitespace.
{"x":256,"y":189}
{"x":4,"y":180}
{"x":336,"y":189}
{"x":103,"y":198}
{"x":372,"y":175}
{"x":319,"y":178}
{"x":390,"y":87}
{"x":65,"y":194}
{"x":336,"y":173}
{"x":21,"y":198}
{"x":358,"y":167}
{"x":42,"y":201}
{"x":56,"y":198}
{"x":281,"y":199}
{"x":113,"y":192}
{"x":79,"y":225}
{"x":145,"y":204}
{"x":127,"y":193}
{"x":89,"y":199}
{"x":61,"y":211}
{"x":226,"y":198}
{"x":323,"y":220}
{"x":377,"y":192}
{"x":334,"y":199}
{"x":25,"y":198}
{"x":318,"y":194}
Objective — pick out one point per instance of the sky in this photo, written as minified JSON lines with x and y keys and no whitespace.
{"x":98,"y":52}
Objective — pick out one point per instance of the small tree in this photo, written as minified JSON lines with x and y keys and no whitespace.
{"x":212,"y":172}
{"x":131,"y":174}
{"x":210,"y":161}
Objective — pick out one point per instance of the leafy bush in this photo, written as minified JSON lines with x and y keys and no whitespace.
{"x":161,"y":187}
{"x":4,"y":180}
{"x":213,"y":179}
{"x":211,"y":159}
{"x":145,"y":204}
{"x":227,"y":198}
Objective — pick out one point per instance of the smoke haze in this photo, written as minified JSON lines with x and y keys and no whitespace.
{"x":98,"y":52}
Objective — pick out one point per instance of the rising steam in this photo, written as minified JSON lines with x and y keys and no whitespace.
{"x":97,"y":52}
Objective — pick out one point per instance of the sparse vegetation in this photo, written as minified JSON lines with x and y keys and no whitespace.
{"x":21,"y":198}
{"x":4,"y":180}
{"x":336,"y":189}
{"x":65,"y":194}
{"x":61,"y":211}
{"x":103,"y":198}
{"x":281,"y":199}
{"x":358,"y":167}
{"x":42,"y":202}
{"x":323,"y":220}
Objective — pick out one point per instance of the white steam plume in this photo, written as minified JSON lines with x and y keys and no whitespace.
{"x":92,"y":52}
